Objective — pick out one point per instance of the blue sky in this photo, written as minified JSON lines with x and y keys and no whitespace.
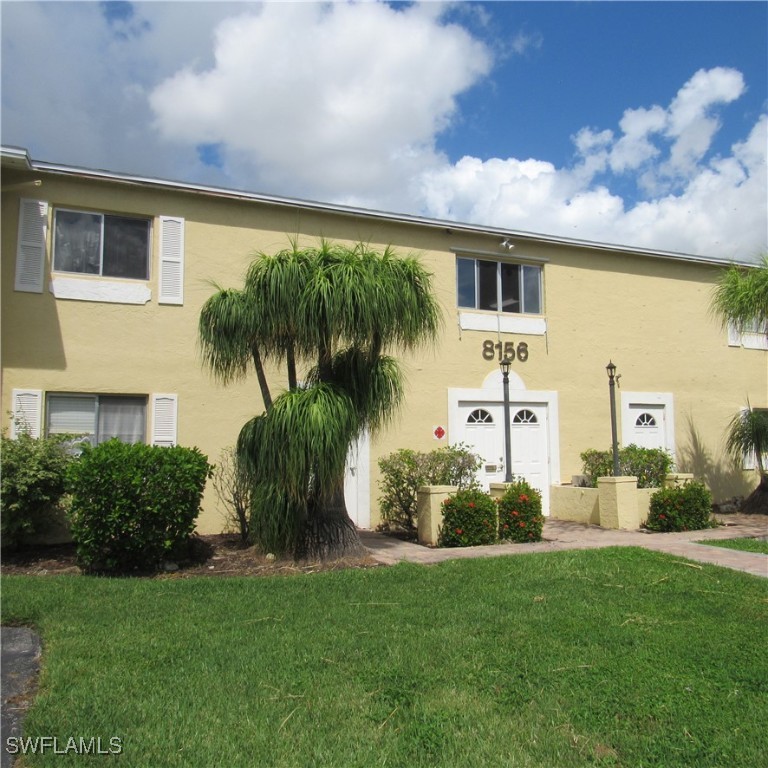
{"x":643,"y":124}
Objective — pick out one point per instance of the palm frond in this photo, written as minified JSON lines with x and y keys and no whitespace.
{"x":227,"y":329}
{"x":302,"y":441}
{"x":748,"y":434}
{"x":740,"y":296}
{"x":374,"y":385}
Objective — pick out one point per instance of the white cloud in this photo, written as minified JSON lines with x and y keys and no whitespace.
{"x":345,"y":102}
{"x":522,"y":42}
{"x":635,"y":148}
{"x":690,"y":120}
{"x":716,"y":206}
{"x":326,"y":97}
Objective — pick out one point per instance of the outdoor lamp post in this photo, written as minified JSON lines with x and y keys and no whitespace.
{"x":612,"y":378}
{"x":505,"y":365}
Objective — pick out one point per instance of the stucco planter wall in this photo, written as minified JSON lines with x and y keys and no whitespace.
{"x":429,"y":511}
{"x":617,"y":502}
{"x":575,"y":504}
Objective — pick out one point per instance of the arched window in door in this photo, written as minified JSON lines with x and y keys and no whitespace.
{"x":479,"y":416}
{"x":525,"y":416}
{"x":645,"y":420}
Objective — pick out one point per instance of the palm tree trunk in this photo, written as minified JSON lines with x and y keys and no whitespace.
{"x":266,"y":396}
{"x":290,"y":358}
{"x":757,"y":501}
{"x":328,"y":533}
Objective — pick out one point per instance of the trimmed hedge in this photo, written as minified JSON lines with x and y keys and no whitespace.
{"x":649,"y":465}
{"x":520,"y":517}
{"x":134,"y":505}
{"x":469,"y":519}
{"x":687,"y":508}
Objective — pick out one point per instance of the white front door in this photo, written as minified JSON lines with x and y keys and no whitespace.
{"x":357,"y":482}
{"x":530,"y":458}
{"x":648,"y":420}
{"x":647,"y":426}
{"x":483,"y":431}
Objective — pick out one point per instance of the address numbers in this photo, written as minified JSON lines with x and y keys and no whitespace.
{"x":496,"y":350}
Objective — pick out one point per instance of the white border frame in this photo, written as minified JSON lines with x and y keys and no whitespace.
{"x":495,"y":396}
{"x":665,"y":399}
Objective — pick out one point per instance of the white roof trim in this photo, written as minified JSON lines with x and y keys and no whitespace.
{"x":17,"y":154}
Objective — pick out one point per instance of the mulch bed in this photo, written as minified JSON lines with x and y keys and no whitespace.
{"x":217,"y":555}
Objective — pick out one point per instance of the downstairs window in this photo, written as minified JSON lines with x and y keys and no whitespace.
{"x":98,"y":417}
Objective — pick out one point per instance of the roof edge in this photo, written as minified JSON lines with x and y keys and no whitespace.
{"x":19,"y":155}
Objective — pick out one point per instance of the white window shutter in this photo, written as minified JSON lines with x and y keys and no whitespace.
{"x":27,"y":410}
{"x":171,"y":290}
{"x":30,"y":246}
{"x":164,"y":419}
{"x":734,"y":335}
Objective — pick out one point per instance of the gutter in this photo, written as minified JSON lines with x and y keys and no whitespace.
{"x":18,"y":156}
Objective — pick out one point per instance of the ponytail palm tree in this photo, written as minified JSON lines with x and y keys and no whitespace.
{"x":336,"y":312}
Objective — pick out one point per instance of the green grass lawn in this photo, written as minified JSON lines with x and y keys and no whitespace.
{"x":618,"y":657}
{"x":745,"y":545}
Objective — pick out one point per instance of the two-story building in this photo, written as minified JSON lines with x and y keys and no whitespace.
{"x":104,"y":275}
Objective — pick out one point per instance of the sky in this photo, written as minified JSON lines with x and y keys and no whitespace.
{"x":643,"y":124}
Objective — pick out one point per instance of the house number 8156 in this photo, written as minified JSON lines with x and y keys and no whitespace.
{"x":507,"y":349}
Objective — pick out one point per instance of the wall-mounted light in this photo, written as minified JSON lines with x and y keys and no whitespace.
{"x":505,"y":243}
{"x":22,"y":185}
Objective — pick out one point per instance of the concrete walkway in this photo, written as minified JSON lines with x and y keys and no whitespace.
{"x":559,"y":535}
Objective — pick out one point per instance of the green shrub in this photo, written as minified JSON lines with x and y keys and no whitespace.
{"x":33,"y":482}
{"x":133,"y":505}
{"x":520,"y":517}
{"x":649,"y":465}
{"x":469,"y":519}
{"x":687,"y":508}
{"x":405,"y":470}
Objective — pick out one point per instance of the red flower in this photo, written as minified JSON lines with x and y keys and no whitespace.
{"x":523,"y":497}
{"x":471,"y":504}
{"x":662,"y":517}
{"x":505,"y":526}
{"x":515,"y":512}
{"x":522,"y":523}
{"x":459,"y":531}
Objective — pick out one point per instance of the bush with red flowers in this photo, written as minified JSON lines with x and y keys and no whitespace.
{"x":469,"y":519}
{"x":687,"y":508}
{"x":520,"y":517}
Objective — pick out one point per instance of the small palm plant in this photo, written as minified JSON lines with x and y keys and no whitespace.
{"x":748,"y":434}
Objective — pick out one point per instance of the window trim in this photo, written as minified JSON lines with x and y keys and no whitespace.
{"x":520,"y":263}
{"x":97,"y":397}
{"x":150,"y":220}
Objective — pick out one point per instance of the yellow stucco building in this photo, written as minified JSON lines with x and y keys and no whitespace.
{"x":104,"y":275}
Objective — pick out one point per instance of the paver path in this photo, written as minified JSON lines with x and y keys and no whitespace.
{"x":560,"y":535}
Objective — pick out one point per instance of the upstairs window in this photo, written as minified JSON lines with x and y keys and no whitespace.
{"x":101,"y":244}
{"x":499,"y":286}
